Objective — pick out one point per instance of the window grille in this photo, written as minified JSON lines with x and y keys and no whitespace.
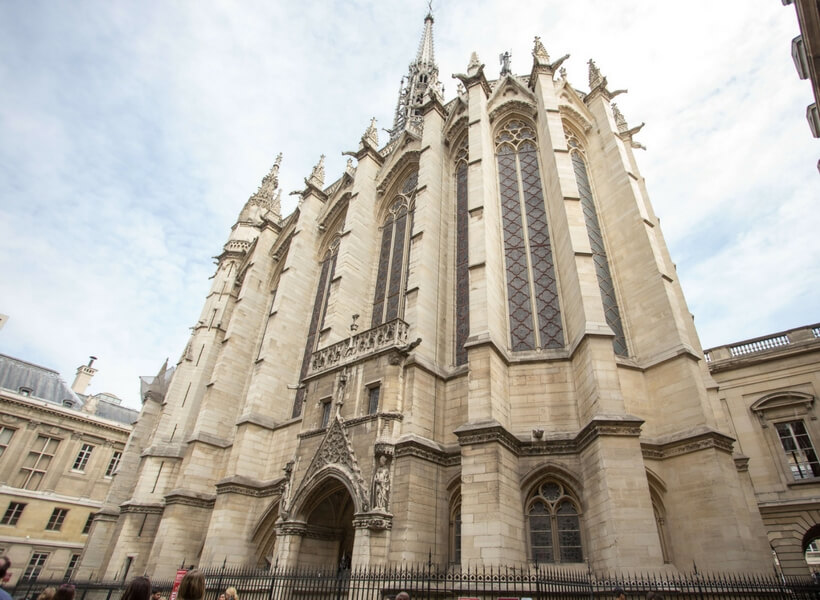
{"x":12,"y":514}
{"x":532,"y":292}
{"x":599,"y":258}
{"x":799,"y":450}
{"x":113,"y":463}
{"x":37,"y":462}
{"x":35,"y":566}
{"x":82,"y":457}
{"x":55,"y":522}
{"x":5,"y":438}
{"x":391,"y":277}
{"x":554,"y":525}
{"x":462,"y":255}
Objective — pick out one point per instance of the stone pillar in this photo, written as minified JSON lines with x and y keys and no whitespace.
{"x":372,"y":539}
{"x":289,"y":535}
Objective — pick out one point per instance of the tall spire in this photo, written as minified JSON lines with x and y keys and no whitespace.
{"x":263,"y":200}
{"x":419,"y":85}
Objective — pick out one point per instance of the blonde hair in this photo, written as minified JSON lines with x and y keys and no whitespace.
{"x":231,"y":593}
{"x":192,"y":586}
{"x":47,"y":594}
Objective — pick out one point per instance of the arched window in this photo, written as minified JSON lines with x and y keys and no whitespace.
{"x":532,"y":292}
{"x":388,"y":303}
{"x":554,"y":524}
{"x":455,"y":530}
{"x":596,"y":242}
{"x":317,"y":318}
{"x":462,"y":255}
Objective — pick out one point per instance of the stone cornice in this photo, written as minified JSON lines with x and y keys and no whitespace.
{"x":485,"y":432}
{"x":368,"y":151}
{"x":141,"y":509}
{"x":64,"y":413}
{"x":190,"y":498}
{"x":210,"y":440}
{"x":176,"y":451}
{"x":247,"y":486}
{"x":702,"y":438}
{"x":428,"y":450}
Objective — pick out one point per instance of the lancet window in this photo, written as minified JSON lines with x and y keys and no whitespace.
{"x":391,"y":280}
{"x":317,"y":318}
{"x":532,"y":292}
{"x":554,"y":522}
{"x":462,"y":255}
{"x":596,"y":242}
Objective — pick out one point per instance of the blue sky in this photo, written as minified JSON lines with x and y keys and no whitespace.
{"x":131,"y":134}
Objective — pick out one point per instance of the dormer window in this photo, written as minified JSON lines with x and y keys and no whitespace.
{"x":68,"y":403}
{"x":24,"y":391}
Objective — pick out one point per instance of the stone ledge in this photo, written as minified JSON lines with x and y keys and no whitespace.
{"x":693,"y":440}
{"x":153,"y":508}
{"x":419,"y":447}
{"x":190,"y":498}
{"x":248,"y":486}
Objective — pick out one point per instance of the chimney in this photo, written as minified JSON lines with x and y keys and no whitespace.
{"x":84,"y":375}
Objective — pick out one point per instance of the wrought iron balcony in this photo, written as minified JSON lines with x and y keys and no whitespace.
{"x":392,"y":334}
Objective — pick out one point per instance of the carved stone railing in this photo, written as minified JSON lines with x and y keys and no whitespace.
{"x":392,"y":334}
{"x":784,"y":339}
{"x":237,"y":246}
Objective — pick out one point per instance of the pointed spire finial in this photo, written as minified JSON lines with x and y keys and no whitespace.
{"x":317,"y":176}
{"x":620,"y":120}
{"x":595,"y":78}
{"x":276,"y":204}
{"x":371,"y":134}
{"x":539,"y":53}
{"x":474,"y":65}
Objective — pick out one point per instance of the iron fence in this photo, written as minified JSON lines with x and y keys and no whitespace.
{"x":429,"y":582}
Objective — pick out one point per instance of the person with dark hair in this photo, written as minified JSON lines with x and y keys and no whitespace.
{"x":192,"y":586}
{"x":138,"y":588}
{"x":64,"y":592}
{"x":619,"y":593}
{"x":156,"y":594}
{"x":5,"y":575}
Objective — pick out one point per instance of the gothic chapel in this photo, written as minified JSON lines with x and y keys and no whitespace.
{"x":471,"y":346}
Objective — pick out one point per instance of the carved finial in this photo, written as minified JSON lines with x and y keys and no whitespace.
{"x":563,"y":72}
{"x":474,"y":66}
{"x":371,"y":134}
{"x":317,"y":176}
{"x":539,"y":53}
{"x":620,"y":121}
{"x":595,"y":77}
{"x":504,"y":60}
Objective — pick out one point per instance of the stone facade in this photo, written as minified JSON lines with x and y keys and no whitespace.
{"x":768,"y":389}
{"x":472,"y":347}
{"x":59,"y":452}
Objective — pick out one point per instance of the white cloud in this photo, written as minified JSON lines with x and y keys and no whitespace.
{"x":130,"y":137}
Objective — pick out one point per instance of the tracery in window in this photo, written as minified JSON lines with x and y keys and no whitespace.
{"x":532,"y":292}
{"x":391,"y":280}
{"x":554,"y":523}
{"x":317,"y":318}
{"x":462,"y":255}
{"x":596,"y":242}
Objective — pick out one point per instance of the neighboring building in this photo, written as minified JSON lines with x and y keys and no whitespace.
{"x":806,"y":55}
{"x":769,"y":388}
{"x":59,"y":450}
{"x":472,"y":346}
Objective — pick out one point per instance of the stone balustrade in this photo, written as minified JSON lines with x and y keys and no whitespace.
{"x":766,"y":343}
{"x":392,"y":334}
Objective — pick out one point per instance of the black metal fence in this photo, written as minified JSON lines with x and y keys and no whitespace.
{"x":430,"y":582}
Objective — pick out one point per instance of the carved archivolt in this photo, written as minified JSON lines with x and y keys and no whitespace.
{"x":334,"y":456}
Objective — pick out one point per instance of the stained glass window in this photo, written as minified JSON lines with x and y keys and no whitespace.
{"x":554,"y":524}
{"x":391,"y":279}
{"x":462,"y":255}
{"x":317,"y":318}
{"x":596,"y":242}
{"x":532,"y":293}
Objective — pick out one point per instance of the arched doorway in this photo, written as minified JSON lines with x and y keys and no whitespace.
{"x":328,"y":513}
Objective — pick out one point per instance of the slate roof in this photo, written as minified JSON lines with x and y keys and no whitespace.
{"x":45,"y":384}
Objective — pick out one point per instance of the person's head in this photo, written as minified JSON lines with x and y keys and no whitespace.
{"x":5,"y":565}
{"x":618,"y":592}
{"x":47,"y":594}
{"x":222,"y":596}
{"x":156,"y":594}
{"x":402,"y":596}
{"x":64,"y":592}
{"x":138,"y":588}
{"x":230,"y":594}
{"x":192,"y":586}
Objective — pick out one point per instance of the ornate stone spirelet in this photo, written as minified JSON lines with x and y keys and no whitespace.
{"x":595,"y":77}
{"x":539,"y":53}
{"x":620,"y":121}
{"x":317,"y":176}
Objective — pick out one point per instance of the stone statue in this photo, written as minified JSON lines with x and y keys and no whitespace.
{"x":381,"y":485}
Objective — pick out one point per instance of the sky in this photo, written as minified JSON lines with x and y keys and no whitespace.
{"x":132,"y":133}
